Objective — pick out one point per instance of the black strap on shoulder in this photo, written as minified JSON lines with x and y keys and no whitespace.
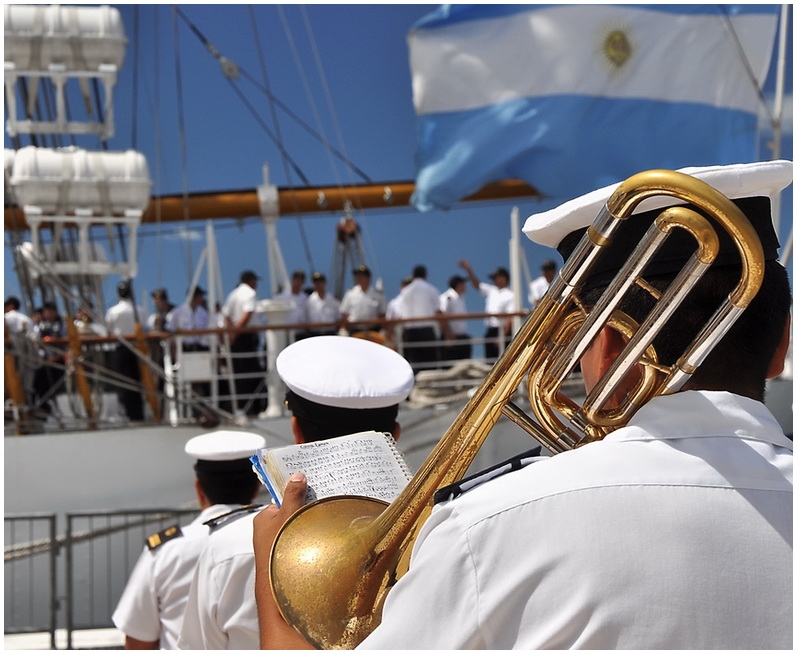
{"x":456,"y":489}
{"x":231,"y":516}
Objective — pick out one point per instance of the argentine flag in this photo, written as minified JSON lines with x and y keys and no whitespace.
{"x":573,"y":98}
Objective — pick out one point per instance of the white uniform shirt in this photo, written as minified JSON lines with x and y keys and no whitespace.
{"x":121,"y":317}
{"x":452,"y":303}
{"x":299,"y":301}
{"x":537,"y":289}
{"x":419,"y":299}
{"x":18,"y":322}
{"x":318,"y":309}
{"x":241,"y":300}
{"x":186,"y":318}
{"x":673,"y":533}
{"x":221,"y":612}
{"x":498,"y":301}
{"x":152,"y":604}
{"x":361,"y":305}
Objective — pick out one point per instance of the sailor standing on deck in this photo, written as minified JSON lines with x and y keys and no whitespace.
{"x":457,"y":345}
{"x":239,"y":311}
{"x":498,"y":299}
{"x":539,"y":285}
{"x":150,"y":610}
{"x":420,"y":299}
{"x":362,"y":303}
{"x":191,"y":315}
{"x":121,"y":320}
{"x":336,"y":386}
{"x":321,"y":307}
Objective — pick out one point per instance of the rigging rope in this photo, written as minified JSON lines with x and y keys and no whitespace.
{"x":275,"y":120}
{"x":335,"y":122}
{"x":181,"y":129}
{"x":745,"y":61}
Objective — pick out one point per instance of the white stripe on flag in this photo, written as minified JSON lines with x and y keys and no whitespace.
{"x":672,"y":57}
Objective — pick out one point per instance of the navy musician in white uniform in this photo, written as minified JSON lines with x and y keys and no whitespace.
{"x":674,"y":532}
{"x":337,"y":385}
{"x":151,"y":608}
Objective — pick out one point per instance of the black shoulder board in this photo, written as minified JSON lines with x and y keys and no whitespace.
{"x":456,"y":489}
{"x":231,"y":516}
{"x":170,"y":533}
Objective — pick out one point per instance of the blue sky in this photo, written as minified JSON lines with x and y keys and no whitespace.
{"x":354,"y":87}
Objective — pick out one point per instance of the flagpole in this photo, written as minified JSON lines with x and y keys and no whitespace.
{"x":514,"y":266}
{"x":778,"y":108}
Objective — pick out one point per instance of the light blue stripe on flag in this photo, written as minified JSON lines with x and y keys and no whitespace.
{"x":574,"y":98}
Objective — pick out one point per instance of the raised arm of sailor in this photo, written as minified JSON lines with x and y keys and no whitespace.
{"x":275,"y":633}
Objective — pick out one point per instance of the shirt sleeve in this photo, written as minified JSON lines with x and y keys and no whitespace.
{"x":137,"y":613}
{"x":434,"y":605}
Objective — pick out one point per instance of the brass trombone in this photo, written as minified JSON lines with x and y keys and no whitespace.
{"x":336,"y":559}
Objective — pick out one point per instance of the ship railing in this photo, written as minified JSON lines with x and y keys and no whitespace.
{"x":212,"y":385}
{"x":72,"y":582}
{"x":30,"y":555}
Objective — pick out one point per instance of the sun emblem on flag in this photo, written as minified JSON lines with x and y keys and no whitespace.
{"x":615,"y":46}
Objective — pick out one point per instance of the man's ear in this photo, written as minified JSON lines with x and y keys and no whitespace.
{"x":296,"y":428}
{"x":202,"y":499}
{"x":779,"y":358}
{"x":600,"y":355}
{"x":396,"y":431}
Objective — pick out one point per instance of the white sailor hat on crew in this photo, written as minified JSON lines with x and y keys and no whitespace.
{"x":761,"y":179}
{"x":224,"y":445}
{"x":345,"y":372}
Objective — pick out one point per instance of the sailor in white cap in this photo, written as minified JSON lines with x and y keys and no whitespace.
{"x":151,"y":608}
{"x":337,"y":385}
{"x":673,"y":532}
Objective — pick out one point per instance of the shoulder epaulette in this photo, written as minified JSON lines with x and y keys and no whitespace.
{"x":456,"y":489}
{"x":170,"y":533}
{"x":232,"y":516}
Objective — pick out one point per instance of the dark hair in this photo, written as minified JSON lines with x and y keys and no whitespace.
{"x":248,"y":276}
{"x":456,"y":280}
{"x":319,"y":421}
{"x":227,"y":482}
{"x":13,"y":301}
{"x":739,"y":362}
{"x":419,"y":272}
{"x":123,"y":290}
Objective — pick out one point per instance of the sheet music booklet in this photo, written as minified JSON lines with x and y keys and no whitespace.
{"x":367,"y":463}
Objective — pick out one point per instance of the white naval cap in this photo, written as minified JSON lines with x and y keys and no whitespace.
{"x":345,"y":372}
{"x":224,"y":445}
{"x":760,"y":179}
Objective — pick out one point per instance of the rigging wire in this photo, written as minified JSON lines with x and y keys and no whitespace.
{"x":225,"y":63}
{"x":334,"y":118}
{"x":226,"y":68}
{"x":181,"y":123}
{"x":728,"y":22}
{"x":278,"y":132}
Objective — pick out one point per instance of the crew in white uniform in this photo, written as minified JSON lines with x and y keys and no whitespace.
{"x":498,"y":299}
{"x":321,"y":307}
{"x":362,"y":303}
{"x":337,"y":385}
{"x":673,"y":532}
{"x":539,"y":285}
{"x":151,"y":608}
{"x":297,"y":297}
{"x":420,"y":299}
{"x":457,"y":344}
